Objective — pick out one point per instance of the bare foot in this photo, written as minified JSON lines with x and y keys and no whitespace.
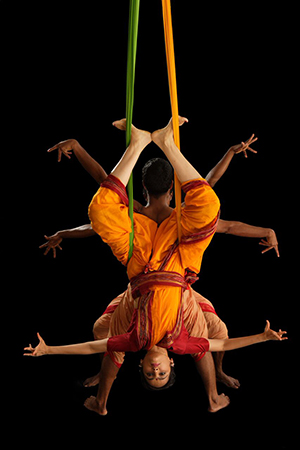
{"x":162,"y":136}
{"x":218,"y":403}
{"x":141,"y":136}
{"x":228,"y":381}
{"x":92,"y":381}
{"x":92,"y":404}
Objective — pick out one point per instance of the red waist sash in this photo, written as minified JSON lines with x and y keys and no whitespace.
{"x":145,"y":282}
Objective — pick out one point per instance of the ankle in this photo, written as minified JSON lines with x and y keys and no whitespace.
{"x":219,"y":374}
{"x":101,"y":403}
{"x":213,"y":398}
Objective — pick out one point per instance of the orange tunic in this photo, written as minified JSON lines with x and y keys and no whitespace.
{"x":108,"y":213}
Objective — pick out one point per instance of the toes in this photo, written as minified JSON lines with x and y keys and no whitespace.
{"x":182,"y":120}
{"x":120,"y":124}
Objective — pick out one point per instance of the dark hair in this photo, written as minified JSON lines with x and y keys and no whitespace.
{"x":146,"y":385}
{"x":157,"y":176}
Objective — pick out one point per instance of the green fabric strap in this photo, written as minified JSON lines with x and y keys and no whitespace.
{"x":131,"y":58}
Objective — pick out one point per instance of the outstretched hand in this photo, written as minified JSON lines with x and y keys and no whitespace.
{"x":51,"y":244}
{"x":39,"y":350}
{"x":64,"y":148}
{"x":244,"y":146}
{"x":270,"y":242}
{"x":271,"y":335}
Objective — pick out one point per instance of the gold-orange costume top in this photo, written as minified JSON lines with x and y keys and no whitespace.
{"x":160,"y":268}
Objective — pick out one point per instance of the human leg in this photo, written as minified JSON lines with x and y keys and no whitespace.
{"x":220,"y":375}
{"x":206,"y":370}
{"x":216,"y":329}
{"x":108,"y":374}
{"x":139,"y":140}
{"x":165,"y":140}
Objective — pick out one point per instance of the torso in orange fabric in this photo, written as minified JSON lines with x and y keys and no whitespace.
{"x":109,"y":218}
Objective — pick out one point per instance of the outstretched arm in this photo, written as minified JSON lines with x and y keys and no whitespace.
{"x":54,"y":241}
{"x":88,"y":163}
{"x":222,"y":345}
{"x":218,"y":171}
{"x":86,"y":348}
{"x":245,"y":230}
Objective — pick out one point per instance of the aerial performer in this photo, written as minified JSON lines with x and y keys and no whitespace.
{"x":216,"y":328}
{"x":238,"y":228}
{"x":115,"y":187}
{"x":157,"y":293}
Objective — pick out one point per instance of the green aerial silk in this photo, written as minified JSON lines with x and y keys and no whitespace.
{"x":131,"y":58}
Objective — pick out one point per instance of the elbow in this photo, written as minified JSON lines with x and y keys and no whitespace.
{"x":95,"y":347}
{"x":233,"y":228}
{"x":91,"y":349}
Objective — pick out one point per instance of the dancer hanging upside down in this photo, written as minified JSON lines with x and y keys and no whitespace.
{"x":157,"y":289}
{"x":205,"y":366}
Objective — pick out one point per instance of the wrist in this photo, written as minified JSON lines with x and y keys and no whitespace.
{"x":75,"y":145}
{"x":263,"y":337}
{"x":231,"y":152}
{"x":48,"y":350}
{"x":62,"y":234}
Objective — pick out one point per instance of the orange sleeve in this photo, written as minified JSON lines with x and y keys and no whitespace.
{"x":201,"y":206}
{"x":199,"y":220}
{"x":109,"y":217}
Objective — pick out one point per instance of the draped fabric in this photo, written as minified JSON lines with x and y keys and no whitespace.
{"x":155,"y":247}
{"x":170,"y":56}
{"x":134,"y":8}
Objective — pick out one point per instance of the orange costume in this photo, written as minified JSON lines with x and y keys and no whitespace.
{"x":160,"y":268}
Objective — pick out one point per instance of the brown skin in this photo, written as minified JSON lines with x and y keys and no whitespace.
{"x":154,"y":212}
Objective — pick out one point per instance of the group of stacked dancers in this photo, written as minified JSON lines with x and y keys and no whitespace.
{"x":159,"y":311}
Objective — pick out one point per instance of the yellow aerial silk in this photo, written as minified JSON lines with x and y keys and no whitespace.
{"x":169,"y":42}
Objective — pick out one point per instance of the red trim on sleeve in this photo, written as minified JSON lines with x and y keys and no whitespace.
{"x":114,"y":184}
{"x":197,"y":358}
{"x":207,"y":308}
{"x":110,"y":309}
{"x":204,"y":233}
{"x":111,"y":355}
{"x":193,"y":184}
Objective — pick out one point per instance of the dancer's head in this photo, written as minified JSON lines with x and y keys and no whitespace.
{"x":157,"y":369}
{"x":157,"y":176}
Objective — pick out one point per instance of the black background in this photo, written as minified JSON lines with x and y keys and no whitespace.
{"x":64,"y":76}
